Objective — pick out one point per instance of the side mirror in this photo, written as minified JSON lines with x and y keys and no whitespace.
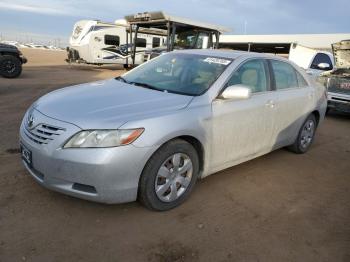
{"x":323,"y":66}
{"x":236,"y":92}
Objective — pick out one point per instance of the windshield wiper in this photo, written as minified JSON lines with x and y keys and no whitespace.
{"x":122,"y":79}
{"x":139,"y":84}
{"x":146,"y":86}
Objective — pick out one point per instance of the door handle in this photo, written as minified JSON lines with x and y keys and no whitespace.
{"x":270,"y":103}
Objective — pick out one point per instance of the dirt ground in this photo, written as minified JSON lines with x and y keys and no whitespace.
{"x":279,"y":207}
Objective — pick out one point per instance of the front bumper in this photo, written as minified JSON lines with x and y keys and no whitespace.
{"x":107,"y":175}
{"x":339,"y":102}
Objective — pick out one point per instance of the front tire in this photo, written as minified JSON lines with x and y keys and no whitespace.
{"x":305,"y":136}
{"x":10,"y":66}
{"x":169,"y":176}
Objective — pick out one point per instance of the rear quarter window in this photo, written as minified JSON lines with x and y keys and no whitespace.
{"x":301,"y":80}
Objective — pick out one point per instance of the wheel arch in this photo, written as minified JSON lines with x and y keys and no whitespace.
{"x":317,"y":116}
{"x":198,"y":146}
{"x":195,"y":142}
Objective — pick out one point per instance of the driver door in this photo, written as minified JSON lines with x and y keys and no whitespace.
{"x":242,"y":129}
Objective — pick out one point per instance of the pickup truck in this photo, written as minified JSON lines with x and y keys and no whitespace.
{"x":337,"y":80}
{"x":312,"y":60}
{"x":331,"y":70}
{"x":11,"y":60}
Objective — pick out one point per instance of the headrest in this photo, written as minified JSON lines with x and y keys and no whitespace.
{"x":249,"y":77}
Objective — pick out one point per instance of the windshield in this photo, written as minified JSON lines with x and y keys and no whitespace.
{"x":191,"y":40}
{"x":186,"y":74}
{"x":185,"y":39}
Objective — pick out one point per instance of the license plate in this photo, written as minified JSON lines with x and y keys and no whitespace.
{"x":26,"y":155}
{"x":345,"y":85}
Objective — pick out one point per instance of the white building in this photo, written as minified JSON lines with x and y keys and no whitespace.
{"x":280,"y":43}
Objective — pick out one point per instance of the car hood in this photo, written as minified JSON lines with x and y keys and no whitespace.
{"x":107,"y":104}
{"x":8,"y":48}
{"x":341,"y":52}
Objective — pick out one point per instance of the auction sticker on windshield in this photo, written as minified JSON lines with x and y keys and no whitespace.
{"x":216,"y":60}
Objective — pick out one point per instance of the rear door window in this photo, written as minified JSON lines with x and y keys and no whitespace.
{"x":301,"y":80}
{"x":284,"y":74}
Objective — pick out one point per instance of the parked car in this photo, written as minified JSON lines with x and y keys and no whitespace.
{"x":151,"y":133}
{"x":338,"y":79}
{"x":11,"y":60}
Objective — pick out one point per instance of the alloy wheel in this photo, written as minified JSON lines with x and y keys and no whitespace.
{"x":307,"y":133}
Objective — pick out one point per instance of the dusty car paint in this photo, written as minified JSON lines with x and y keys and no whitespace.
{"x":229,"y":132}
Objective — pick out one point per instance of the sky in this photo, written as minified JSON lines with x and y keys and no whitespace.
{"x":53,"y":20}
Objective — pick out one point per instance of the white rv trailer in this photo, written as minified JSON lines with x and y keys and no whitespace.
{"x":137,"y":38}
{"x":95,"y":42}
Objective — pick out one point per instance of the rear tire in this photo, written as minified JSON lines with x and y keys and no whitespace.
{"x":305,"y":136}
{"x":169,"y":176}
{"x":10,"y":66}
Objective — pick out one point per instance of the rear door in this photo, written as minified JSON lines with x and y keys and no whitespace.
{"x":294,"y":101}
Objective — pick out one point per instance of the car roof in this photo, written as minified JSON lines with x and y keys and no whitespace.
{"x":149,"y":19}
{"x":231,"y":54}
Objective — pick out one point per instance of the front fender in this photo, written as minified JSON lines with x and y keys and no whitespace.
{"x":192,"y":122}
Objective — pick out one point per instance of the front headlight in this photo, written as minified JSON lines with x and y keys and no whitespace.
{"x":103,"y":138}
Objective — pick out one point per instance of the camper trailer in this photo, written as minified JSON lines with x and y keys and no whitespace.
{"x":137,"y":38}
{"x":95,"y":42}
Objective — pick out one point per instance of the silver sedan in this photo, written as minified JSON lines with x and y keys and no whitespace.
{"x":151,"y":133}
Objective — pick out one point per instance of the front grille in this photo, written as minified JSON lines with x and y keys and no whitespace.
{"x":43,"y":133}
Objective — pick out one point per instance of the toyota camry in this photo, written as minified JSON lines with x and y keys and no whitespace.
{"x":151,"y":133}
